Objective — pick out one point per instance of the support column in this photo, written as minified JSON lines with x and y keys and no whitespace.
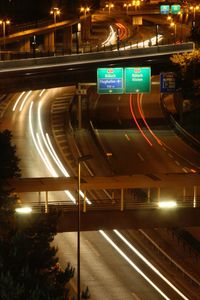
{"x":195,"y":196}
{"x":122,"y":200}
{"x":84,"y":202}
{"x":67,"y":39}
{"x":148,"y":195}
{"x":85,"y":28}
{"x":49,"y":42}
{"x":25,"y":45}
{"x":46,"y":203}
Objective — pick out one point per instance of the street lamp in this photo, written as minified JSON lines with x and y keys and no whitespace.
{"x":109,"y":6}
{"x":85,"y":10}
{"x":136,"y":3}
{"x":127,"y":5}
{"x":4,"y":23}
{"x":81,"y":159}
{"x":55,"y":11}
{"x":194,"y":8}
{"x":172,"y":24}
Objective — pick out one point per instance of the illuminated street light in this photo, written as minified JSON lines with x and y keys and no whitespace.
{"x":55,"y":11}
{"x":127,"y":5}
{"x":80,"y":160}
{"x":23,"y":210}
{"x":194,"y":9}
{"x":136,"y":3}
{"x":84,"y":10}
{"x":4,"y":23}
{"x":167,"y":204}
{"x":109,"y":6}
{"x":169,"y":18}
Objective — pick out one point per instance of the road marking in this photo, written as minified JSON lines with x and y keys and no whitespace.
{"x":185,"y":170}
{"x":140,"y":156}
{"x":135,"y":296}
{"x":177,"y":162}
{"x":127,"y":137}
{"x":90,"y":246}
{"x":170,"y":155}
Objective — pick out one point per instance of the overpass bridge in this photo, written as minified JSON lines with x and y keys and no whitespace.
{"x":65,"y":70}
{"x":120,"y":211}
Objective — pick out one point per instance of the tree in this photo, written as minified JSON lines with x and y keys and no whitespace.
{"x":29,"y":267}
{"x":188,"y":71}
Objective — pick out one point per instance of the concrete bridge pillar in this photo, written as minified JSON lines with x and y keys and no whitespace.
{"x":67,"y":39}
{"x":85,"y":28}
{"x":25,"y":45}
{"x":49,"y":42}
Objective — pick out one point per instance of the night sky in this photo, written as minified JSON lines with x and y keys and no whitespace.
{"x":20,"y":11}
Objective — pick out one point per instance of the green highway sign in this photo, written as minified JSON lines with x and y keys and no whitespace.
{"x":138,"y":80}
{"x":164,"y":9}
{"x":175,"y":8}
{"x":110,"y":81}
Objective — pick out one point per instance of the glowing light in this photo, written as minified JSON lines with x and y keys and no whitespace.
{"x":131,"y":263}
{"x":24,"y":101}
{"x":136,"y":122}
{"x":148,"y":263}
{"x":167,"y":204}
{"x":23,"y":210}
{"x":145,"y":122}
{"x":19,"y":98}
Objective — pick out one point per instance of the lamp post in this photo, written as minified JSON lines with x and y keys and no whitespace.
{"x":85,"y":10}
{"x":172,"y":24}
{"x":55,"y":11}
{"x":85,"y":29}
{"x":127,"y":5}
{"x":109,"y":6}
{"x":193,"y":9}
{"x":4,"y":23}
{"x":80,"y":160}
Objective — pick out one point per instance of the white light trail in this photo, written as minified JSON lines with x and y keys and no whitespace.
{"x":17,"y":101}
{"x":111,"y":39}
{"x":149,"y":264}
{"x":34,"y":139}
{"x":49,"y":146}
{"x":42,"y":92}
{"x":131,"y":263}
{"x":24,"y":101}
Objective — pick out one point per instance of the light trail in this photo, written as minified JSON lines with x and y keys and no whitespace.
{"x":36,"y":144}
{"x":17,"y":101}
{"x":41,"y":151}
{"x":139,"y":98}
{"x":111,"y":38}
{"x":136,"y":122}
{"x":131,"y":263}
{"x":149,"y":264}
{"x":24,"y":101}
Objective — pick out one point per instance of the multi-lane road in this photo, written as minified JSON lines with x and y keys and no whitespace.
{"x":108,"y":266}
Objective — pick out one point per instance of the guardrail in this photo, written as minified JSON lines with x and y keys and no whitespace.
{"x":95,"y":56}
{"x":106,"y":204}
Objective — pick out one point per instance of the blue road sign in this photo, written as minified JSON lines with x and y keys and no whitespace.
{"x":167,"y":82}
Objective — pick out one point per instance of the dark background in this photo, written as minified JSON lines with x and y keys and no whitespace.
{"x":19,"y":11}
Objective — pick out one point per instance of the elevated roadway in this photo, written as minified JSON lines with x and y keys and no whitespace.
{"x":57,"y":71}
{"x":115,"y":214}
{"x":115,"y":219}
{"x":88,"y":183}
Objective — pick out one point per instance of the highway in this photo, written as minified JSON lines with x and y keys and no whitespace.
{"x":95,"y":251}
{"x":109,"y":266}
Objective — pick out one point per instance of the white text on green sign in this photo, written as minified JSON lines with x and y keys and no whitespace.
{"x":138,"y":80}
{"x":110,"y":80}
